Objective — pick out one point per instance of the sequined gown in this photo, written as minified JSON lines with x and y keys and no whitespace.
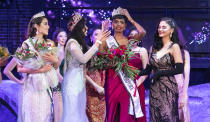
{"x":95,"y":102}
{"x":163,"y":97}
{"x":73,"y":85}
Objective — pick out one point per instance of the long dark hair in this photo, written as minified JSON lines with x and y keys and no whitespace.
{"x":31,"y":32}
{"x":158,"y":44}
{"x":78,"y":34}
{"x":55,"y":35}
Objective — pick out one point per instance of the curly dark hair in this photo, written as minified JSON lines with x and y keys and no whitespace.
{"x":158,"y":44}
{"x":78,"y":34}
{"x":31,"y":31}
{"x":55,"y":34}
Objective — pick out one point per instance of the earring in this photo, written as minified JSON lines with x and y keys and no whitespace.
{"x":170,"y":34}
{"x":37,"y":32}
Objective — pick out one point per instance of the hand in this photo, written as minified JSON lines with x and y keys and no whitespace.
{"x":105,"y":25}
{"x":128,"y":15}
{"x":21,"y":82}
{"x":103,"y":35}
{"x":155,"y":76}
{"x":45,"y":68}
{"x":183,"y":100}
{"x":138,"y":82}
{"x":50,"y":57}
{"x":100,"y":90}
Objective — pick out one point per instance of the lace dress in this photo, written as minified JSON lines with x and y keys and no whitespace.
{"x":34,"y":98}
{"x":73,"y":85}
{"x":163,"y":92}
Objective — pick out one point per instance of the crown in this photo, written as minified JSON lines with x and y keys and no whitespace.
{"x":76,"y":18}
{"x":118,"y":11}
{"x":40,"y":14}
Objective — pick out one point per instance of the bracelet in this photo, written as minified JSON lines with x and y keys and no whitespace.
{"x":99,"y":41}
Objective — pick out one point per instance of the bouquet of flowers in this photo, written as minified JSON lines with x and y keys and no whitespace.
{"x":28,"y":58}
{"x":43,"y":48}
{"x":117,"y":58}
{"x":3,"y":52}
{"x":4,"y":55}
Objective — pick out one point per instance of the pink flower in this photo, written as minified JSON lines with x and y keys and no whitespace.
{"x":49,"y":45}
{"x":43,"y":45}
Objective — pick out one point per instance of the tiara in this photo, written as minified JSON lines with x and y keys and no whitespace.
{"x":40,"y":14}
{"x":118,"y":11}
{"x":76,"y":18}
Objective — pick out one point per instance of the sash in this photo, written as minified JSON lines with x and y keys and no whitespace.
{"x":129,"y":84}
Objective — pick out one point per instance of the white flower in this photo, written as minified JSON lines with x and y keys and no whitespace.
{"x":49,"y":48}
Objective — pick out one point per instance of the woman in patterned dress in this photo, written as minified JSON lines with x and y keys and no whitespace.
{"x":165,"y":61}
{"x":96,"y":107}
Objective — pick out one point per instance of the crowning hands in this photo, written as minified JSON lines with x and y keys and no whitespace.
{"x":104,"y":34}
{"x":125,"y":11}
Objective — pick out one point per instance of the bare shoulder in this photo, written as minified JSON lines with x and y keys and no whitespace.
{"x":175,"y":46}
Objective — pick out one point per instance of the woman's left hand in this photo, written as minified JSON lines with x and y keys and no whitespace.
{"x":100,"y":90}
{"x":128,"y":15}
{"x":50,"y":57}
{"x":183,"y":100}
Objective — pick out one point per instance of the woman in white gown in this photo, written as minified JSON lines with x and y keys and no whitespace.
{"x":76,"y":55}
{"x":35,"y":101}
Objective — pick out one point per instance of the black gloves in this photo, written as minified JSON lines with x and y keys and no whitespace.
{"x":179,"y":68}
{"x":146,"y":71}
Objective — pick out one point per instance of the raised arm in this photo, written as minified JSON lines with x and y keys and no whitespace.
{"x":74,"y":47}
{"x":8,"y":71}
{"x":139,"y":28}
{"x":76,"y":51}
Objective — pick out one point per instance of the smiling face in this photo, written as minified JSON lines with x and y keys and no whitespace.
{"x":94,"y":35}
{"x":43,"y":28}
{"x":84,"y":30}
{"x":119,"y":25}
{"x":164,"y":29}
{"x":62,"y":37}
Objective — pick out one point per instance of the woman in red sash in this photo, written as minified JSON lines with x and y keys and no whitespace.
{"x":117,"y":97}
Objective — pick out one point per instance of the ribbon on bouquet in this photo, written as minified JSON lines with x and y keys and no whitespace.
{"x":129,"y":84}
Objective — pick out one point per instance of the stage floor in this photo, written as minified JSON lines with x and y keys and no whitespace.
{"x":199,"y":102}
